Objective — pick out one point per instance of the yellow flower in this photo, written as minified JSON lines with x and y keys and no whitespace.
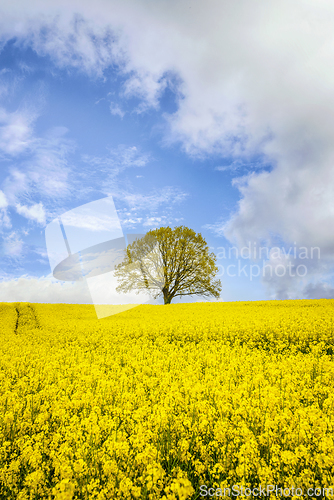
{"x":232,"y":393}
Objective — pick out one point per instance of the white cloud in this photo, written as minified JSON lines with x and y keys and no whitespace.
{"x":16,"y":133}
{"x":13,"y":245}
{"x":45,"y":290}
{"x":147,"y":209}
{"x":295,"y":277}
{"x":291,"y":203}
{"x":155,"y":221}
{"x":34,"y":212}
{"x":229,"y":99}
{"x":115,"y":109}
{"x":319,"y":291}
{"x":239,"y":164}
{"x":5,"y":221}
{"x":130,"y":222}
{"x":295,"y":201}
{"x":36,"y":183}
{"x":89,"y":221}
{"x":43,"y":174}
{"x":224,"y":105}
{"x":3,"y":200}
{"x":118,"y":160}
{"x":167,"y":195}
{"x":15,"y":183}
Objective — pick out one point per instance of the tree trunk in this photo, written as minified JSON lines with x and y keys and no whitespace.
{"x":167,"y":297}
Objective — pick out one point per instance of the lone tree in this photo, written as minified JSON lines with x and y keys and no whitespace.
{"x":172,"y":262}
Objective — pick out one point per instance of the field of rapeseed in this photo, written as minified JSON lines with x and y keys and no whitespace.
{"x":158,"y":400}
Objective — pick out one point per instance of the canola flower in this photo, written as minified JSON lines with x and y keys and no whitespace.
{"x":158,"y":400}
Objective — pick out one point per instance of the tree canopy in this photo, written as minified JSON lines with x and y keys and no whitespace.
{"x":173,"y":262}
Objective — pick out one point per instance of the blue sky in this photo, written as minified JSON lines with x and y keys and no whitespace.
{"x":191,"y":113}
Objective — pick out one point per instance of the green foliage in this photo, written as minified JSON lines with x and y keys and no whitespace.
{"x":172,"y":262}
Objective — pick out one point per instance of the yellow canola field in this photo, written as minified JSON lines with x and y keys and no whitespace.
{"x":158,"y":400}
